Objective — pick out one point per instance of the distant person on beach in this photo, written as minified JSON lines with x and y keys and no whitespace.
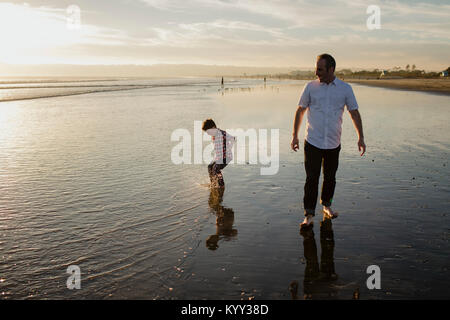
{"x":223,"y":149}
{"x":324,"y":100}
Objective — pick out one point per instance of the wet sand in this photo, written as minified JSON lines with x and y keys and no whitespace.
{"x":427,"y":85}
{"x":87,"y":180}
{"x":393,"y":205}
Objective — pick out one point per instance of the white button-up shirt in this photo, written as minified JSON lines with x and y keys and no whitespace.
{"x":325,"y":105}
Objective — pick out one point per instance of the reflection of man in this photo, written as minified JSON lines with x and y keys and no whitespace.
{"x":324,"y":101}
{"x":224,"y":222}
{"x":315,"y":275}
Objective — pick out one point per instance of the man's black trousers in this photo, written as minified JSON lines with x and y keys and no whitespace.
{"x":315,"y":159}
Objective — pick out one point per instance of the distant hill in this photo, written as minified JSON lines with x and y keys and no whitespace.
{"x":361,"y":74}
{"x":112,"y":71}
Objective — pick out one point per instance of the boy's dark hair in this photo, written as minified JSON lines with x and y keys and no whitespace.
{"x":208,"y":124}
{"x":329,"y":60}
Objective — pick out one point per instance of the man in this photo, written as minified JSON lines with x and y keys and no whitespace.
{"x":324,"y":100}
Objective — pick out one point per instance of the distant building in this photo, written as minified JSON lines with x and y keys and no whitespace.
{"x":444,"y":74}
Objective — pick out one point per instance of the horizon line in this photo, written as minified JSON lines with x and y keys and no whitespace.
{"x":196,"y":64}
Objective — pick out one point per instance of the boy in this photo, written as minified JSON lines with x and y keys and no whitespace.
{"x":223,"y":147}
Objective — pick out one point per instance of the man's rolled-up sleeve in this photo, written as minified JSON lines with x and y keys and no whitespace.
{"x":305,"y":98}
{"x":350,"y":100}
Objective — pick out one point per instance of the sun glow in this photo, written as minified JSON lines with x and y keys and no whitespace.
{"x":31,"y":35}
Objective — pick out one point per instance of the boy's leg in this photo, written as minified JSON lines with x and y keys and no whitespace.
{"x":215,"y":174}
{"x":219,"y":174}
{"x":212,"y":174}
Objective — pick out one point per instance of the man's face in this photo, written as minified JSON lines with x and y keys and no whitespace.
{"x":321,"y":71}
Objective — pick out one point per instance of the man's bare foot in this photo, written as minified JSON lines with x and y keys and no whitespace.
{"x":307,"y":222}
{"x":329,"y":212}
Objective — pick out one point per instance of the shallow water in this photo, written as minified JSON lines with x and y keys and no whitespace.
{"x":88,"y":180}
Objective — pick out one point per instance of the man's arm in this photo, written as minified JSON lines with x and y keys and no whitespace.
{"x":297,"y":122}
{"x":357,"y":122}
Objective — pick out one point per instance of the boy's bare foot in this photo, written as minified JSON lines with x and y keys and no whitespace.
{"x":307,"y":222}
{"x":329,"y":212}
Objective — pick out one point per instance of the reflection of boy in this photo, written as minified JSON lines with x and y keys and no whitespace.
{"x":224,"y":221}
{"x":223,"y":147}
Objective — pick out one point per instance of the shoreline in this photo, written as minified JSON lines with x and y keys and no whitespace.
{"x":441,"y":86}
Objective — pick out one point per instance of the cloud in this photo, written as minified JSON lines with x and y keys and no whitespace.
{"x":166,"y":4}
{"x":334,"y":21}
{"x":243,"y":30}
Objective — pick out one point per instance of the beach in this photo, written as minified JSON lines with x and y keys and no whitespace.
{"x":426,"y":85}
{"x":89,"y":180}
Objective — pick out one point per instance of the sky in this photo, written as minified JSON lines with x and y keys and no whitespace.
{"x":275,"y":33}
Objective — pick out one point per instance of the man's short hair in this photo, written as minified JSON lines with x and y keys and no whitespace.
{"x":208,"y":124}
{"x":329,"y":60}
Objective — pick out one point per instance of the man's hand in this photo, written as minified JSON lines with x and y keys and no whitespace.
{"x":294,"y":143}
{"x":297,"y":121}
{"x":357,"y":122}
{"x":361,"y":145}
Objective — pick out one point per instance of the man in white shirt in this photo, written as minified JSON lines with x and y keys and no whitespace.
{"x":324,"y":100}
